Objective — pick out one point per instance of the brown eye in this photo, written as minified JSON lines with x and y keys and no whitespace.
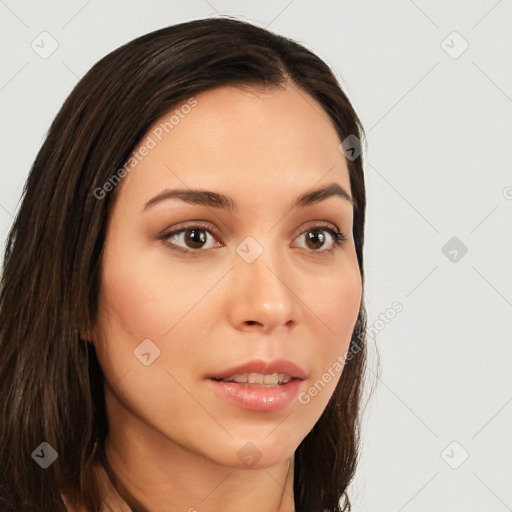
{"x":195,"y":238}
{"x":190,"y":239}
{"x":316,"y":239}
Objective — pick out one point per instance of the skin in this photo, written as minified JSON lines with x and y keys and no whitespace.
{"x":172,"y":441}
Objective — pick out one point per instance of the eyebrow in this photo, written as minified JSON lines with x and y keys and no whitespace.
{"x":217,"y":200}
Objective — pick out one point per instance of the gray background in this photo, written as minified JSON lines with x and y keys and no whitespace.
{"x":438,"y":165}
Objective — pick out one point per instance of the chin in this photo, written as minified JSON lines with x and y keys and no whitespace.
{"x":254,"y":455}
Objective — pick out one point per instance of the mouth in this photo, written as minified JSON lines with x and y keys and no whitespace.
{"x":259,"y":386}
{"x":258,"y":379}
{"x":261,"y":373}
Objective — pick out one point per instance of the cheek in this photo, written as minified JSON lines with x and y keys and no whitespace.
{"x":146,"y":294}
{"x":143,"y":299}
{"x":149,"y":342}
{"x":336,"y":305}
{"x":336,"y":309}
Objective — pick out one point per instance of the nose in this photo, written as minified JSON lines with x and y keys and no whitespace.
{"x":261,"y":295}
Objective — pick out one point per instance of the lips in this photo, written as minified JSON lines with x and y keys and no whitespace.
{"x":259,"y":366}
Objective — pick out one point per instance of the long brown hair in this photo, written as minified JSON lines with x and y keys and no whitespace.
{"x":51,"y":384}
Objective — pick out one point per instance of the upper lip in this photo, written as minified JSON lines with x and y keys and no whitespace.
{"x":263,"y":367}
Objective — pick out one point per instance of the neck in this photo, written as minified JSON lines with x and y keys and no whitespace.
{"x":141,"y":490}
{"x":140,"y":478}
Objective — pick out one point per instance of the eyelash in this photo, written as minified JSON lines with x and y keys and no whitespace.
{"x":338,"y":236}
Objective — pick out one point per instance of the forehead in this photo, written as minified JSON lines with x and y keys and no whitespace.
{"x":241,"y":142}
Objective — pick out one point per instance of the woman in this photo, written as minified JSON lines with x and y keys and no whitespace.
{"x":181,"y":316}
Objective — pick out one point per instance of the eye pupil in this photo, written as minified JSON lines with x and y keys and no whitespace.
{"x":316,"y":236}
{"x":196,"y":236}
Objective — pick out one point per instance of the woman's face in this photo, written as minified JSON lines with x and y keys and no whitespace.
{"x":263,"y":282}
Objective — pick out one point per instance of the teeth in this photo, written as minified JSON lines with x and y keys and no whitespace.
{"x":275,"y":379}
{"x":256,"y":378}
{"x":271,"y":379}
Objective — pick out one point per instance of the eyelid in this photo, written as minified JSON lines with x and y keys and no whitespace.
{"x":189,"y":224}
{"x":338,"y":236}
{"x":315,"y":224}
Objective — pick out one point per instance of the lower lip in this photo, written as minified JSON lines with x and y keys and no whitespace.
{"x":258,"y":398}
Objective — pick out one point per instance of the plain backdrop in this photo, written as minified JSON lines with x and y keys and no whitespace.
{"x":432,"y":83}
